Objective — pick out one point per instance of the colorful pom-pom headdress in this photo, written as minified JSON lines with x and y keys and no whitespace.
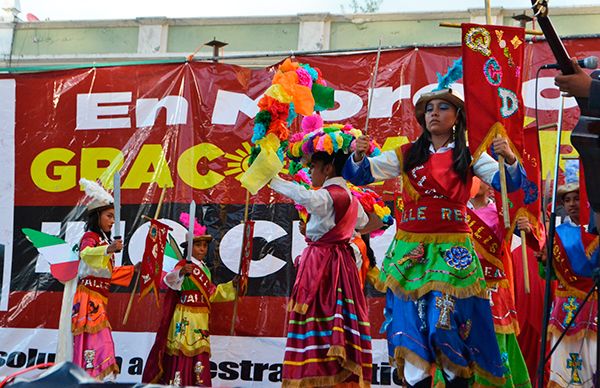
{"x":200,"y":233}
{"x":99,"y":199}
{"x":319,"y":137}
{"x":443,"y":91}
{"x":297,"y":88}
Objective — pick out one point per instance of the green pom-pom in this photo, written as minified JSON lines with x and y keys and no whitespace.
{"x":263,"y":117}
{"x":253,"y":154}
{"x":294,"y":167}
{"x":323,"y":96}
{"x":347,"y":140}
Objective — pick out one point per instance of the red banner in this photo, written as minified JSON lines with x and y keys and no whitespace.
{"x":186,"y":126}
{"x":152,"y":261}
{"x":494,"y":59}
{"x":492,"y":67}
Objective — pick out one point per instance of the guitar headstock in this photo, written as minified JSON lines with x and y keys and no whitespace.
{"x":540,"y":8}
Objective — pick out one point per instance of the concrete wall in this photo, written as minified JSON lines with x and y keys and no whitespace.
{"x":74,"y":42}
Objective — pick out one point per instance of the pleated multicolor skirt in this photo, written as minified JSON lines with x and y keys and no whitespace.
{"x":328,"y":340}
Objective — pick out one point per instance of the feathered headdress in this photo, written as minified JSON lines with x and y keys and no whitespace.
{"x":99,"y":198}
{"x":443,"y":90}
{"x":200,"y":233}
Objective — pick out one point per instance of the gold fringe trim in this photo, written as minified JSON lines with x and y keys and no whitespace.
{"x":511,"y":328}
{"x":432,"y":238}
{"x":556,"y":332}
{"x":402,"y":353}
{"x":467,"y":372}
{"x":502,"y":283}
{"x":480,"y":250}
{"x":88,"y":291}
{"x":186,"y":353}
{"x":571,"y":291}
{"x":340,"y":353}
{"x":535,"y":224}
{"x":405,"y":181}
{"x":300,"y":308}
{"x":474,"y":289}
{"x":554,"y":384}
{"x":114,"y":368}
{"x":592,"y":247}
{"x":373,"y":278}
{"x":323,"y":381}
{"x":496,"y":129}
{"x":410,"y":190}
{"x":93,"y":330}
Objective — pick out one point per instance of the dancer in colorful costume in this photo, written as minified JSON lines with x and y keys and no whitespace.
{"x":575,"y":255}
{"x":437,"y":310}
{"x":328,"y":340}
{"x":93,"y":346}
{"x":379,"y":214}
{"x":181,"y":352}
{"x":495,"y":259}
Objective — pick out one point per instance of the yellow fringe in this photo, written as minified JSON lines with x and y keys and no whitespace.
{"x":432,"y":238}
{"x":300,"y":308}
{"x":184,"y":352}
{"x":512,"y":328}
{"x":405,"y":182}
{"x":592,"y":247}
{"x":496,"y":129}
{"x":556,"y":332}
{"x":474,"y":289}
{"x":467,"y":372}
{"x":401,"y":353}
{"x":535,"y":225}
{"x":480,"y":250}
{"x":94,"y":330}
{"x":114,"y":368}
{"x":571,"y":291}
{"x":373,"y":278}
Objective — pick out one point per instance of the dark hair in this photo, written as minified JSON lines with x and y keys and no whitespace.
{"x":338,"y":159}
{"x":418,"y":153}
{"x":93,"y":222}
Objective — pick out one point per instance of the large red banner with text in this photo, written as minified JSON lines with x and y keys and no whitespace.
{"x":187,"y":127}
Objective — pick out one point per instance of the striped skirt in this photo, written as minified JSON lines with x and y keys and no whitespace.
{"x":328,"y":340}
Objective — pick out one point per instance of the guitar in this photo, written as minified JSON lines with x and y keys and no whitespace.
{"x":586,"y":134}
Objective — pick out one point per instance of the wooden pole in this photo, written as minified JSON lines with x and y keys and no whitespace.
{"x":488,"y":12}
{"x":373,"y":82}
{"x":525,"y":262}
{"x":237,"y":287}
{"x":503,"y":190}
{"x":139,"y":273}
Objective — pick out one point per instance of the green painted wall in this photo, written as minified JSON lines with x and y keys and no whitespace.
{"x":55,"y":41}
{"x":255,"y":37}
{"x":406,"y":32}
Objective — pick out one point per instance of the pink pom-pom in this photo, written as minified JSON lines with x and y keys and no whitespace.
{"x":296,"y":137}
{"x":312,"y":123}
{"x":321,"y":144}
{"x":304,"y":77}
{"x":199,"y":230}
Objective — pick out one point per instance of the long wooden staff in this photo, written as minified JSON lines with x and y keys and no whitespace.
{"x":237,"y":286}
{"x":137,"y":278}
{"x":373,"y":81}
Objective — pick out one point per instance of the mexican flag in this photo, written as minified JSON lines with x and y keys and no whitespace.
{"x":63,"y":258}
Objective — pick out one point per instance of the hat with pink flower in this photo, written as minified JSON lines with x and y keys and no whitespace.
{"x":200,"y":233}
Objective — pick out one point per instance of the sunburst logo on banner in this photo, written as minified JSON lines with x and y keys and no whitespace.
{"x":239,"y":161}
